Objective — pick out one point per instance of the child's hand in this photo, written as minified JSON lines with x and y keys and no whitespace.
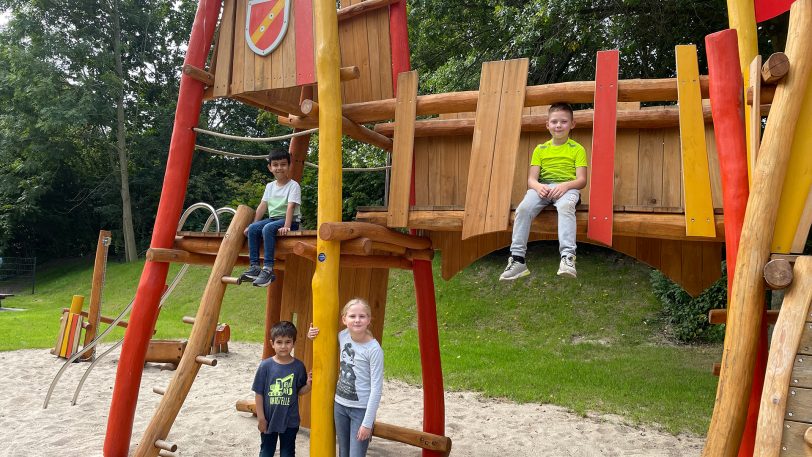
{"x":363,"y":433}
{"x":543,"y":190}
{"x":283,"y":230}
{"x":309,"y":378}
{"x":262,"y":425}
{"x":245,"y":232}
{"x":312,"y":332}
{"x":557,"y":192}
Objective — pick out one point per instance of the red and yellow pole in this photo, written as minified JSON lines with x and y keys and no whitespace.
{"x":325,"y":279}
{"x":742,"y":18}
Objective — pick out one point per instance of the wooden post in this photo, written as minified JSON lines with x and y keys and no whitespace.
{"x":94,"y":309}
{"x":200,"y":337}
{"x":273,"y":311}
{"x":747,"y":299}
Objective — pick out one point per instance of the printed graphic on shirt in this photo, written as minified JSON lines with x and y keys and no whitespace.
{"x":346,"y":375}
{"x":281,"y":390}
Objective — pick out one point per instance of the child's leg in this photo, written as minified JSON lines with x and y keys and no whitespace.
{"x":268,"y":446}
{"x":287,"y":442}
{"x":528,"y":209}
{"x":342,"y":421}
{"x":254,"y":238}
{"x":269,"y":239}
{"x":567,"y":224}
{"x":357,"y":448}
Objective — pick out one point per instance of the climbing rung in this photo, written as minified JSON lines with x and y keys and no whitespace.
{"x":231,"y":280}
{"x":159,"y":390}
{"x":210,"y":361}
{"x":166,"y":445}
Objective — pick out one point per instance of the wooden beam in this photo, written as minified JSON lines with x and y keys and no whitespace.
{"x":341,"y":231}
{"x":364,"y":7}
{"x":199,"y":74}
{"x":102,"y":319}
{"x":181,"y":256}
{"x":401,"y":180}
{"x":645,"y":118}
{"x":648,"y":225}
{"x":349,"y":73}
{"x":94,"y":309}
{"x":767,"y":93}
{"x":349,"y":128}
{"x":412,"y":437}
{"x":629,"y":90}
{"x":775,"y":67}
{"x":719,"y":316}
{"x":778,"y":274}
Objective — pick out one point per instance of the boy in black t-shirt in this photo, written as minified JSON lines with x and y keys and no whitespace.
{"x":278,"y":383}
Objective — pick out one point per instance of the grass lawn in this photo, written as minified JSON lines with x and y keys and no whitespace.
{"x":591,"y":344}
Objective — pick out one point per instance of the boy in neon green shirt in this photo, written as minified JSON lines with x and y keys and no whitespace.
{"x":557,"y":173}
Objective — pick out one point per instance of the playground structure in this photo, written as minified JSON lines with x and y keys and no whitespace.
{"x":668,"y":185}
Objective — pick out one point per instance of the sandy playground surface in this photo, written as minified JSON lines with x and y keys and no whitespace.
{"x":208,"y":424}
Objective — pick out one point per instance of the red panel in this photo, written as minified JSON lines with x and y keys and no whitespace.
{"x":305,"y":60}
{"x":602,"y":181}
{"x":768,"y":9}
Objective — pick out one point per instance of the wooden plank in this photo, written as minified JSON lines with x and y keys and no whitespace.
{"x":802,"y":367}
{"x":289,"y":50}
{"x":601,"y":182}
{"x":799,"y":242}
{"x":650,"y":168}
{"x":402,"y":157}
{"x":711,"y":264}
{"x":672,"y":170}
{"x":692,"y":267}
{"x":506,"y":145}
{"x":463,"y":164}
{"x":714,"y":170}
{"x":238,"y":61}
{"x":792,"y":440}
{"x":225,"y":50}
{"x":671,"y":259}
{"x":446,"y":171}
{"x":384,"y":72}
{"x":373,"y":41}
{"x":359,"y":42}
{"x":422,"y":150}
{"x":584,"y":138}
{"x":755,"y":114}
{"x":305,"y":56}
{"x":786,"y":338}
{"x":626,"y":157}
{"x":799,"y":401}
{"x":350,"y":89}
{"x":482,"y":149}
{"x":696,"y":177}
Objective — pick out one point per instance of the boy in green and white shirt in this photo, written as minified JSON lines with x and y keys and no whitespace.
{"x":282,"y":201}
{"x":557,"y":173}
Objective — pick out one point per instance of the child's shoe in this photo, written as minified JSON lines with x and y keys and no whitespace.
{"x":251,"y":273}
{"x":567,"y":267}
{"x":265,"y":278}
{"x":514,"y":270}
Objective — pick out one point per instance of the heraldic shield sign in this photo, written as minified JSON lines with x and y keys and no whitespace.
{"x":266,"y":22}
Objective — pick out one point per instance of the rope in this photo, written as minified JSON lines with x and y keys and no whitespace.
{"x":311,"y":165}
{"x":258,"y":140}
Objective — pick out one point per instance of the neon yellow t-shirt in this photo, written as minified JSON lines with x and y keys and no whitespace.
{"x":558,"y":163}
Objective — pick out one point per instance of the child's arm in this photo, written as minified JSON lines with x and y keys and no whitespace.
{"x":309,"y":384}
{"x":578,"y":183}
{"x":288,"y":219}
{"x":259,"y":214}
{"x":533,"y":182}
{"x":262,"y":423}
{"x":375,"y":391}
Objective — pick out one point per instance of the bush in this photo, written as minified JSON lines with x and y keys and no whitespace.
{"x":686,"y":316}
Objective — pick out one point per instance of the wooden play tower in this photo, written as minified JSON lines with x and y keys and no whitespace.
{"x":668,"y":185}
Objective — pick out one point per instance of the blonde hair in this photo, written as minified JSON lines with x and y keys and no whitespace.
{"x":357,"y":301}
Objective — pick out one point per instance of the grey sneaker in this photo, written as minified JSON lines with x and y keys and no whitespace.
{"x":514,"y":270}
{"x":566,"y":268}
{"x":251,"y":273}
{"x":265,"y":278}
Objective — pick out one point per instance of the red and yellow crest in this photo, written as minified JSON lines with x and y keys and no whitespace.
{"x":266,"y":22}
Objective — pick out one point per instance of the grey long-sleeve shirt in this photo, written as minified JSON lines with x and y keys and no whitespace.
{"x":360,"y":377}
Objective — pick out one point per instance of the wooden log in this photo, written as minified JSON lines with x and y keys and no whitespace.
{"x":309,"y":108}
{"x":210,"y":361}
{"x":166,"y":445}
{"x":420,"y":254}
{"x":778,"y":274}
{"x":645,"y":118}
{"x":103,"y":319}
{"x":755,"y":115}
{"x":717,"y":368}
{"x":188,"y":320}
{"x":719,"y":316}
{"x":94,"y":308}
{"x":808,"y":436}
{"x":386,"y":247}
{"x":364,"y":7}
{"x":181,"y":256}
{"x":159,"y":390}
{"x":786,"y":338}
{"x":629,"y":90}
{"x":767,"y":93}
{"x":350,"y":128}
{"x":247,"y":406}
{"x":198,"y":74}
{"x":412,"y":437}
{"x":775,"y":68}
{"x":649,"y":225}
{"x":747,"y":298}
{"x":230,"y":280}
{"x":209,"y":246}
{"x":201,"y":335}
{"x":347,"y":74}
{"x":341,"y":231}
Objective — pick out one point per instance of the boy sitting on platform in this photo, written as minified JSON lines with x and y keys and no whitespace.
{"x":282,"y":200}
{"x":561,"y":162}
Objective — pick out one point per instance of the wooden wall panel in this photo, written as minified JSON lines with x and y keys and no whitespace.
{"x":650,"y":168}
{"x":364,"y":41}
{"x":672,"y":171}
{"x":402,"y":157}
{"x":584,"y":138}
{"x":626,"y":159}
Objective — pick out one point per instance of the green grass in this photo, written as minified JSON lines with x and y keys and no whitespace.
{"x":591,"y":344}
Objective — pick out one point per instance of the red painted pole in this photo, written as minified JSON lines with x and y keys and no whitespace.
{"x":153,"y":277}
{"x":727,"y":107}
{"x":427,"y":332}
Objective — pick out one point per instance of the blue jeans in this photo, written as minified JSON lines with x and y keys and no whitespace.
{"x":287,"y":443}
{"x":348,"y":421}
{"x":265,"y":231}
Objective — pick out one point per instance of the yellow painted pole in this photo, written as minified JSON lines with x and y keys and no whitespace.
{"x":325,"y":279}
{"x":742,"y":18}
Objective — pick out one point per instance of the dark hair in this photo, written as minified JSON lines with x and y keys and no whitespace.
{"x":283,"y":329}
{"x":561,"y":106}
{"x":278,"y":154}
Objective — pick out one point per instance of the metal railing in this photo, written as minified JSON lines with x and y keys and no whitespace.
{"x":17,"y":274}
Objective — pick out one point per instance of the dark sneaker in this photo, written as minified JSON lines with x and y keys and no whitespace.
{"x":567,"y":267}
{"x":265,"y":278}
{"x":251,"y":273}
{"x":514,"y":270}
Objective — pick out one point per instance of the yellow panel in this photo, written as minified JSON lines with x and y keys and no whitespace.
{"x":699,"y":219}
{"x":789,"y":224}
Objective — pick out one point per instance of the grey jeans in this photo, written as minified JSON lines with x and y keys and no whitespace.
{"x":531,"y":206}
{"x":348,"y":421}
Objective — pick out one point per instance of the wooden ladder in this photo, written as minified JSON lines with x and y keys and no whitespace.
{"x":197,"y":349}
